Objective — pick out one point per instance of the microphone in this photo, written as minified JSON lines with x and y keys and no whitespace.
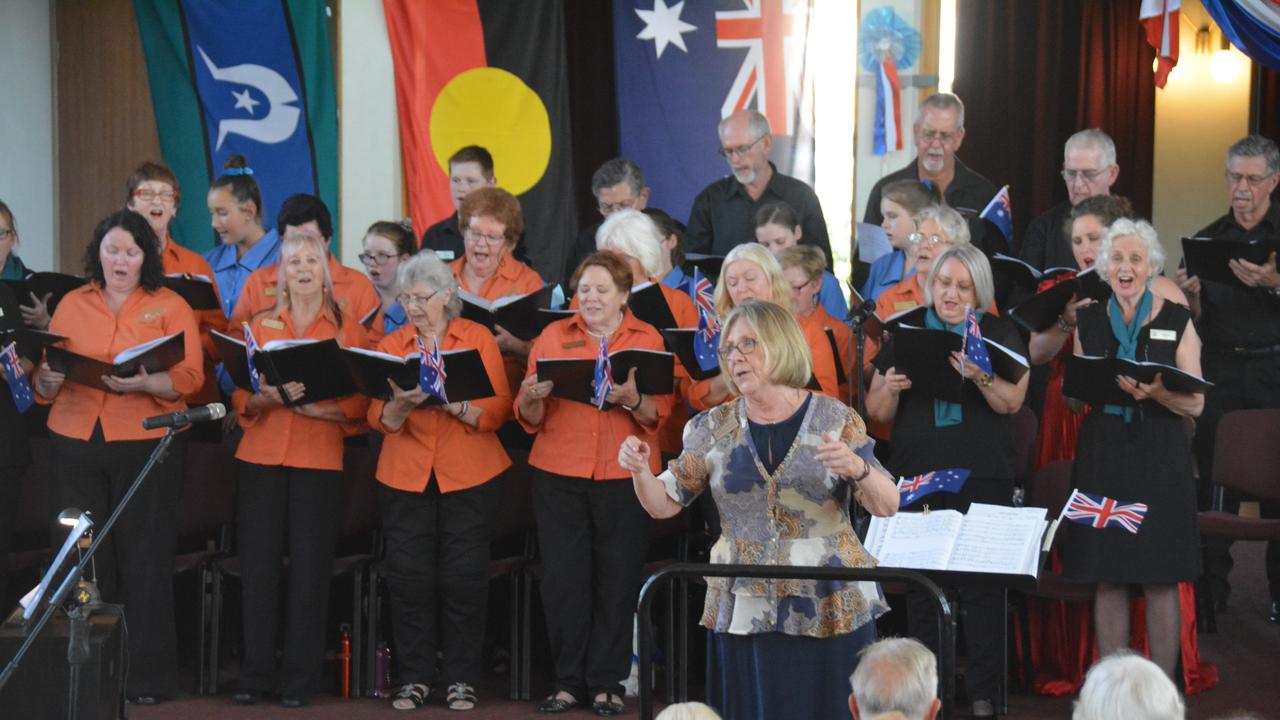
{"x":861,"y":312}
{"x":212,"y":411}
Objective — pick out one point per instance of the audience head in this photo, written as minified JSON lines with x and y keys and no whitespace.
{"x":427,"y":290}
{"x":895,"y":675}
{"x":900,"y":202}
{"x":635,"y":237}
{"x":235,"y":202}
{"x":619,"y":185}
{"x":491,"y":224}
{"x":937,"y":227}
{"x":386,"y":245}
{"x":939,"y":132}
{"x":469,"y":168}
{"x":124,"y":254}
{"x":804,"y":267}
{"x":153,"y":192}
{"x":777,"y":226}
{"x":602,"y":283}
{"x":745,"y":142}
{"x":761,"y":346}
{"x":1129,"y":257}
{"x":1089,"y":165}
{"x":8,"y":233}
{"x":960,"y":279}
{"x":1253,"y":169}
{"x":1088,"y":222}
{"x":672,"y":231}
{"x":304,"y":213}
{"x":1124,"y":685}
{"x":688,"y":711}
{"x":750,"y":272}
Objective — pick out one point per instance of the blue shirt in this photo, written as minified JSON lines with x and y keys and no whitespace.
{"x":885,"y":273}
{"x":394,"y":319}
{"x":230,"y":272}
{"x":831,"y":297}
{"x":676,"y":279}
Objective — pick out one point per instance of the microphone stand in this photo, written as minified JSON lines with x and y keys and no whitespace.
{"x":857,"y":318}
{"x":78,"y":640}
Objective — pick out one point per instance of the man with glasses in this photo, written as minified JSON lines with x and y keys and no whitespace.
{"x":617,"y":185}
{"x":1240,"y":328}
{"x":469,"y":168}
{"x":939,"y":132}
{"x":723,"y":214}
{"x":1089,"y":169}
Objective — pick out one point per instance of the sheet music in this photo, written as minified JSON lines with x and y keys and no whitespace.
{"x":133,"y":352}
{"x":996,"y":539}
{"x":919,"y":541}
{"x":873,"y":243}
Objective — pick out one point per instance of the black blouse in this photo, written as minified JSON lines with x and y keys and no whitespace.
{"x":13,"y":436}
{"x":1170,"y":323}
{"x":773,"y":440}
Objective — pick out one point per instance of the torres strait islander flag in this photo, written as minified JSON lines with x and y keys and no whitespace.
{"x":489,"y":73}
{"x":683,"y":65}
{"x":250,"y":77}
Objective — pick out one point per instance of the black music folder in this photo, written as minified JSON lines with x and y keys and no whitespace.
{"x":197,"y":290}
{"x":317,"y":364}
{"x":573,"y":378}
{"x":649,"y":305}
{"x":1207,"y":258}
{"x":31,"y":342}
{"x":708,"y":265}
{"x":41,"y":283}
{"x":155,"y":355}
{"x":465,"y":375}
{"x":1092,"y":379}
{"x":524,"y":316}
{"x":680,"y":342}
{"x":1040,"y":311}
{"x":1013,"y":271}
{"x":923,"y":355}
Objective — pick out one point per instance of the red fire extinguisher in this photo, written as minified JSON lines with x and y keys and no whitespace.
{"x":344,"y":656}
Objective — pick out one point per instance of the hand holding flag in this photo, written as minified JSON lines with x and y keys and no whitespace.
{"x":1100,"y":512}
{"x":973,"y":349}
{"x":19,"y":383}
{"x":949,"y":480}
{"x":603,"y":381}
{"x":431,"y":374}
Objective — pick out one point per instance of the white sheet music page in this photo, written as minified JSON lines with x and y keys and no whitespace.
{"x":998,"y":539}
{"x":919,"y":541}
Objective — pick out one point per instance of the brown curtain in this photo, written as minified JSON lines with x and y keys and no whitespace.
{"x":593,"y":103}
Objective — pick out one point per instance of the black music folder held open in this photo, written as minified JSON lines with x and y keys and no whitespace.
{"x":55,"y":284}
{"x":1011,"y":270}
{"x":317,"y":364}
{"x":649,"y":305}
{"x":31,"y":342}
{"x":680,"y":342}
{"x":708,"y":265}
{"x":524,"y":316}
{"x":1207,"y":258}
{"x":1092,"y":379}
{"x":923,"y":355}
{"x":465,"y":375}
{"x":573,"y":377}
{"x":155,"y":355}
{"x":197,"y":290}
{"x":1040,"y":311}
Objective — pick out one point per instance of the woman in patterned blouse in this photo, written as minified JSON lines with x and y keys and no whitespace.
{"x":781,"y":463}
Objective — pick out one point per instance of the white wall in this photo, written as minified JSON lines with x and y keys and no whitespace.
{"x":370,"y":186}
{"x":27,"y":130}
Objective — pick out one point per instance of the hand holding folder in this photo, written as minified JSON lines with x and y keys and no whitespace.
{"x":372,"y":372}
{"x":524,"y":316}
{"x":1040,"y":311}
{"x":1092,"y":379}
{"x":1210,"y":258}
{"x":54,"y":285}
{"x":572,"y":378}
{"x":152,"y":357}
{"x":924,"y":356}
{"x":318,"y":365}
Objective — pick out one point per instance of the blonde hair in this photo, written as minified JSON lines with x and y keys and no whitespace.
{"x":806,"y":257}
{"x":290,"y":245}
{"x":787,"y":359}
{"x":779,"y":290}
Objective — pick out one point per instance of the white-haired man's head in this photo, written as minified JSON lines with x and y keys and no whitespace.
{"x":1125,"y":685}
{"x":895,"y":675}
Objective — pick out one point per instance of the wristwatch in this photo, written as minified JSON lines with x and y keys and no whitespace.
{"x":986,"y":381}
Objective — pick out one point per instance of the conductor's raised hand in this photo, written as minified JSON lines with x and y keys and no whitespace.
{"x":633,"y":455}
{"x":839,"y":458}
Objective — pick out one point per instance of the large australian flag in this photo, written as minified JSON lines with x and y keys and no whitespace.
{"x":683,"y":65}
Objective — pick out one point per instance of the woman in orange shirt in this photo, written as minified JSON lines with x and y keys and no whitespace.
{"x":291,"y":478}
{"x":938,"y":227}
{"x":439,"y":494}
{"x":98,"y":444}
{"x":592,"y":531}
{"x":804,"y":266}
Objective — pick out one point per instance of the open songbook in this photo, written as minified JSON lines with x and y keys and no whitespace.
{"x":989,"y":539}
{"x":524,"y":316}
{"x":155,"y":355}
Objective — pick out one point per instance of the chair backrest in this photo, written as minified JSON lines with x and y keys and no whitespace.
{"x":1246,"y":455}
{"x":1050,"y":487}
{"x":208,"y":490}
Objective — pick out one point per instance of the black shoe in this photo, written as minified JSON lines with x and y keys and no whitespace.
{"x":246,"y":697}
{"x":556,"y":705}
{"x":610,"y":705}
{"x":1274,"y":617}
{"x":292,"y":702}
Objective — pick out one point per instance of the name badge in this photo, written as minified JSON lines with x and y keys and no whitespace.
{"x":444,"y":254}
{"x":1158,"y":334}
{"x":271,"y":291}
{"x":903,"y":305}
{"x":574,"y":344}
{"x":272,"y":323}
{"x":150,"y":315}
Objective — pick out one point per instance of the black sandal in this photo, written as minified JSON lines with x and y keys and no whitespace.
{"x":411,"y":696}
{"x":461,"y":697}
{"x":555,"y":704}
{"x":608,"y":706}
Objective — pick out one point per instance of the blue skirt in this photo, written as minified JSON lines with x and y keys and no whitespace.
{"x":772,"y":675}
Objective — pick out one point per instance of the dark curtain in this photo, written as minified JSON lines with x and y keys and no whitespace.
{"x":593,"y":96}
{"x":1118,"y":92}
{"x":1264,"y":110}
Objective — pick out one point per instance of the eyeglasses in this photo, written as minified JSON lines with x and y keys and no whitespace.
{"x":488,"y":239}
{"x":919,"y":237}
{"x":6,"y":233}
{"x":1253,"y":180}
{"x":407,"y":299}
{"x":1087,"y":175}
{"x":375,"y":258}
{"x":739,"y":151}
{"x":799,"y":288}
{"x":167,"y":197}
{"x":746,"y":346}
{"x":610,"y":208}
{"x":932,"y":136}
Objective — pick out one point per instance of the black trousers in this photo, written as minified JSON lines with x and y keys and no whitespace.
{"x":593,"y":536}
{"x":1240,"y":383}
{"x":134,"y":564}
{"x":11,"y":477}
{"x":286,"y":512}
{"x":437,"y":568}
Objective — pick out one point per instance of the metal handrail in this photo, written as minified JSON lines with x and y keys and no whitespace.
{"x":946,"y":619}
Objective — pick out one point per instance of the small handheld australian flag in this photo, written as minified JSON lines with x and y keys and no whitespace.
{"x":1000,"y":212}
{"x":974,"y":350}
{"x":251,"y":348}
{"x":706,"y":342}
{"x":949,"y":480}
{"x":431,"y":373}
{"x":19,"y":383}
{"x":602,"y":383}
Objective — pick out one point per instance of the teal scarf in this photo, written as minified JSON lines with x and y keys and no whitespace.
{"x":946,"y":414}
{"x":1127,"y":334}
{"x":14,"y":270}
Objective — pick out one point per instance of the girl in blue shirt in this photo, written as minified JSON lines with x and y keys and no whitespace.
{"x":899,"y":202}
{"x":778,"y":228}
{"x":235,"y":212}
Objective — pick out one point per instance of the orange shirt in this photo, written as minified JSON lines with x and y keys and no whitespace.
{"x":579,"y":440}
{"x":279,"y":436}
{"x":177,"y":260}
{"x":94,"y":331}
{"x":820,"y":319}
{"x":432,"y":440}
{"x":354,"y":292}
{"x":904,"y":296}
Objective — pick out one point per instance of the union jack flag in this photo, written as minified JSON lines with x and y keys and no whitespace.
{"x":19,"y":383}
{"x":431,"y":373}
{"x":974,"y":350}
{"x":251,"y":347}
{"x":603,"y":381}
{"x":949,"y":480}
{"x":1100,"y":512}
{"x":706,"y":341}
{"x":772,"y":31}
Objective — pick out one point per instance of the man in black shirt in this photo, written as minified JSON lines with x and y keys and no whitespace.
{"x":1089,"y":169}
{"x":1240,"y":327}
{"x":469,"y":168}
{"x":617,"y":185}
{"x":939,"y":132}
{"x":723,"y":214}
